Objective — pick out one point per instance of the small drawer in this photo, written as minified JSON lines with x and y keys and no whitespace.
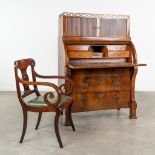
{"x":79,"y":54}
{"x":77,"y":47}
{"x":119,"y":53}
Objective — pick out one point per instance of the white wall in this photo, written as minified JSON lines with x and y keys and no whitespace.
{"x":29,"y":28}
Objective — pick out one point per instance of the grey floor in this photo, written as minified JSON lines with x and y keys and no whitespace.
{"x":97,"y":133}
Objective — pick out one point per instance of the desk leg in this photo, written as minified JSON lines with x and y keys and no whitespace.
{"x":133,"y":104}
{"x":133,"y":110}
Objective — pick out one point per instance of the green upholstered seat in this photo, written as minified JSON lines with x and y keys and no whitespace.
{"x":39,"y":101}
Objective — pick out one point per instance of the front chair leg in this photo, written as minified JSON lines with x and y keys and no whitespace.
{"x":56,"y":127}
{"x":39,"y":119}
{"x":70,"y":116}
{"x":24,"y":125}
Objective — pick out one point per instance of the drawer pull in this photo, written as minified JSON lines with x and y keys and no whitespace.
{"x":101,"y":95}
{"x":84,"y":85}
{"x":116,"y":98}
{"x":84,"y":99}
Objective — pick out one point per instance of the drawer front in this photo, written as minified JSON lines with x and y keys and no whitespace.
{"x":110,"y":72}
{"x":84,"y":85}
{"x":113,"y":83}
{"x":101,"y":72}
{"x":79,"y":54}
{"x":100,"y":101}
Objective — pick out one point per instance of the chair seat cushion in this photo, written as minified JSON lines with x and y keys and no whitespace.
{"x":39,"y":101}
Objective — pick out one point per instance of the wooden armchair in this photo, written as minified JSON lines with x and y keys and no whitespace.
{"x":53,"y":101}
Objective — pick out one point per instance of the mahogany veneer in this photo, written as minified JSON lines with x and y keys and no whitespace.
{"x":97,"y":53}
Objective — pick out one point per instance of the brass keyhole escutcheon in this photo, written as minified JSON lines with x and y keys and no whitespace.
{"x":100,"y":95}
{"x":116,"y":98}
{"x":84,"y":99}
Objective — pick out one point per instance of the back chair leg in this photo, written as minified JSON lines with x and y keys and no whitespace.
{"x":70,"y":116}
{"x":56,"y":127}
{"x":39,"y":119}
{"x":24,"y":125}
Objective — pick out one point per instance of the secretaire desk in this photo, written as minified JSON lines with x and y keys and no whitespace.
{"x":96,"y":52}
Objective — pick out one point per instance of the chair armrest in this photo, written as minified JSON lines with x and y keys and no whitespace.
{"x":48,"y":94}
{"x":68,"y":85}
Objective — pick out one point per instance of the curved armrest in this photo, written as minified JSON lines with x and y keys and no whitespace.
{"x":48,"y":94}
{"x":68,"y":85}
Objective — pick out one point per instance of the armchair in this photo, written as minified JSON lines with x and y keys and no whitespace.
{"x":53,"y":101}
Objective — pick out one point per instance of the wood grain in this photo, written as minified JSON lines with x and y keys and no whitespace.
{"x":101,"y":61}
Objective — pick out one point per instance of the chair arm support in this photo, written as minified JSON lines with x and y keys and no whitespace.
{"x":48,"y":94}
{"x":68,"y":85}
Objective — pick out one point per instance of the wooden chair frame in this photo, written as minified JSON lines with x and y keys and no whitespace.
{"x":22,"y":65}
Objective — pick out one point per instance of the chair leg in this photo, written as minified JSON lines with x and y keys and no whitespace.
{"x":39,"y":119}
{"x":70,"y":116}
{"x":67,"y":120}
{"x":56,"y":127}
{"x":24,"y":125}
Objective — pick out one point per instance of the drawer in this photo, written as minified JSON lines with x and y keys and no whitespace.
{"x":110,"y":72}
{"x":77,"y":47}
{"x":101,"y":72}
{"x":101,"y":101}
{"x":79,"y":54}
{"x":99,"y":84}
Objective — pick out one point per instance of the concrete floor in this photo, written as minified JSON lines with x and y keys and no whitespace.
{"x":97,"y":133}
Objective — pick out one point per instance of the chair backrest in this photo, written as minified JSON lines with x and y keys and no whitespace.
{"x":22,"y":66}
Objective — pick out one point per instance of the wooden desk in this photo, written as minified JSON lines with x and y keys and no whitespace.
{"x":97,"y":53}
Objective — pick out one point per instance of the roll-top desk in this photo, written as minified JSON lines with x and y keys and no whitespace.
{"x":97,"y":53}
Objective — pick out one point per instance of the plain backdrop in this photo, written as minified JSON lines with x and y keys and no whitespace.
{"x":29,"y":28}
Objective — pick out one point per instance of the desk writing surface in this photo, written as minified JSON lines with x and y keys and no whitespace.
{"x":102,"y":65}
